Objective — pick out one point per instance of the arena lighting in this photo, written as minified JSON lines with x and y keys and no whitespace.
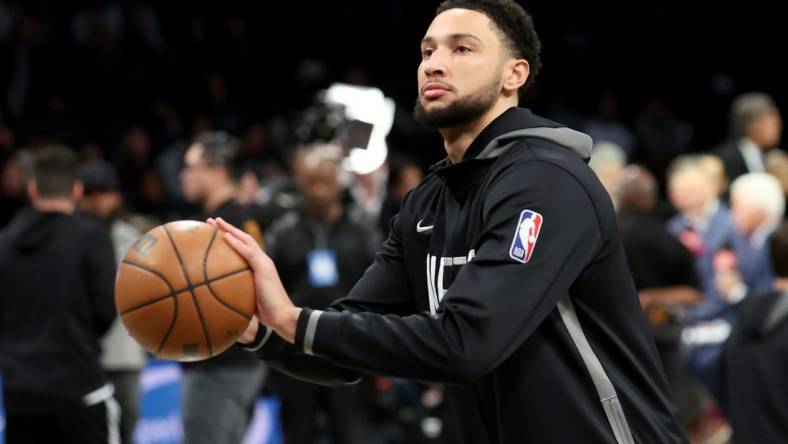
{"x":364,"y":105}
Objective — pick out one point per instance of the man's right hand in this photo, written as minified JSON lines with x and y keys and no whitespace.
{"x":274,"y":307}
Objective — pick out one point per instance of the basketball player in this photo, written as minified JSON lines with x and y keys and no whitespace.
{"x":541,"y":336}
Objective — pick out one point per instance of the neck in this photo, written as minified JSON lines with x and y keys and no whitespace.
{"x":54,"y":205}
{"x":457,"y":139}
{"x":781,"y":284}
{"x":218,"y":196}
{"x":330,"y":213}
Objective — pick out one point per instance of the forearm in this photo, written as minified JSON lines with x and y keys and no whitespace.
{"x":287,"y":359}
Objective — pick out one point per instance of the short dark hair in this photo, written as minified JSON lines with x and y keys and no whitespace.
{"x":55,"y":170}
{"x":515,"y":25}
{"x":221,"y":149}
{"x":778,"y":251}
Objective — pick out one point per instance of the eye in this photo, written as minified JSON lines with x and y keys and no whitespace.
{"x":426,"y":53}
{"x":462,"y":49}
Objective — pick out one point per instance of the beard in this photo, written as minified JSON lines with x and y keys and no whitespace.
{"x":461,"y":111}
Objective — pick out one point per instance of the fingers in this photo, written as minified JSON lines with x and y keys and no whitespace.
{"x":246,"y":251}
{"x":240,"y":235}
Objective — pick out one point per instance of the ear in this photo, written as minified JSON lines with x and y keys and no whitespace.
{"x":516,"y":74}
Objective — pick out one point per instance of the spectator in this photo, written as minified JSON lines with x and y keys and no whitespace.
{"x":741,"y":267}
{"x":218,"y":393}
{"x":664,"y":274}
{"x":755,"y":128}
{"x":321,"y":252}
{"x":703,"y":224}
{"x":54,"y":389}
{"x":757,"y":207}
{"x":122,"y":358}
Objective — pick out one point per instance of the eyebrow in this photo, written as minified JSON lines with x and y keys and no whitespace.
{"x":458,"y":36}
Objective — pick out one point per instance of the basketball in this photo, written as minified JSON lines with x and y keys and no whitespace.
{"x":183,"y":293}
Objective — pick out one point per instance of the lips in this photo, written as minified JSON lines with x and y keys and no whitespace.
{"x":433,"y":90}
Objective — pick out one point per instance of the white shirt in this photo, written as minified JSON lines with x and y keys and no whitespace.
{"x":753,"y":156}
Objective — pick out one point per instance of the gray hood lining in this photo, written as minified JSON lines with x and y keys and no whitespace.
{"x":578,"y":142}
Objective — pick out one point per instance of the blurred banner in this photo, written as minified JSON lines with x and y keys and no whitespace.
{"x":160,"y":416}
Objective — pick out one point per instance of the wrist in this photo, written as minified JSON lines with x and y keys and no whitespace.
{"x":285,"y":324}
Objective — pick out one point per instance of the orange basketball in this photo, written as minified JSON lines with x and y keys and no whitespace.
{"x":183,"y":293}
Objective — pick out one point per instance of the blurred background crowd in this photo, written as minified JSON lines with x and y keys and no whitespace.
{"x":183,"y":112}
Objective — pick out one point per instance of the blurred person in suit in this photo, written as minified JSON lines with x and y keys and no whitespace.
{"x":703,"y":224}
{"x":757,"y":208}
{"x":755,"y":128}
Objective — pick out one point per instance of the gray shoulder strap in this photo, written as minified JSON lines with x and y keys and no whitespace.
{"x":604,"y":388}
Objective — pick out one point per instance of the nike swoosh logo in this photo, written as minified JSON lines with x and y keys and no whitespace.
{"x":420,"y":229}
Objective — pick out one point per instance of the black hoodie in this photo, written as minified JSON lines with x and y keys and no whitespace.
{"x":503,"y":275}
{"x":56,"y":301}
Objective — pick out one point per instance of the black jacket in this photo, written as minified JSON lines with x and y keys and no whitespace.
{"x":503,"y":274}
{"x":295,"y":236}
{"x":56,"y":301}
{"x":754,"y":369}
{"x":732,"y":160}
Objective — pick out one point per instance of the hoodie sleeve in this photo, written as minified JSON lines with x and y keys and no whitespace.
{"x":497,"y":300}
{"x":100,"y":277}
{"x":382,"y":289}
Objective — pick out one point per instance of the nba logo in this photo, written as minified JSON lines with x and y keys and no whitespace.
{"x":525,"y":236}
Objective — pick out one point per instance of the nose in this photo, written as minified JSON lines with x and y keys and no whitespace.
{"x":435,"y":65}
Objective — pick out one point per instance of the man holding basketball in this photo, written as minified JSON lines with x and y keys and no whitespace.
{"x":541,"y":336}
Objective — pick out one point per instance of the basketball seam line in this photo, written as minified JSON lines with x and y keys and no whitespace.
{"x":175,"y":311}
{"x":174,"y":292}
{"x":151,"y":271}
{"x":208,"y":284}
{"x":191,"y":290}
{"x":171,"y":327}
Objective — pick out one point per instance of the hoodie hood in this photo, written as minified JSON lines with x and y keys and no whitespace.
{"x":516,"y":124}
{"x":31,"y":229}
{"x":579,"y":143}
